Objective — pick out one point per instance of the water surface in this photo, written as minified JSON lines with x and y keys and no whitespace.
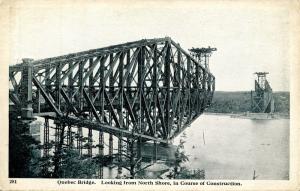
{"x":233,"y":148}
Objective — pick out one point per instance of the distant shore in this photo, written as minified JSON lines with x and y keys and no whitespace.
{"x":240,"y":102}
{"x":248,"y":115}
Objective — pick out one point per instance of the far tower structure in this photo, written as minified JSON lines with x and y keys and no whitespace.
{"x":262,"y":100}
{"x":202,"y":55}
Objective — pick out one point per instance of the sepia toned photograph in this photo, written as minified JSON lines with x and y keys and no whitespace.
{"x":153,"y":94}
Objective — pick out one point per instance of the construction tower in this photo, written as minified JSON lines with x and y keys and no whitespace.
{"x":262,"y":100}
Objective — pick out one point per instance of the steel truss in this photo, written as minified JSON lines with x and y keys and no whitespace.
{"x":153,"y":86}
{"x":147,"y":90}
{"x":262,"y":100}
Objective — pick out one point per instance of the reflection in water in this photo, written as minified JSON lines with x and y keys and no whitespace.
{"x":235,"y":147}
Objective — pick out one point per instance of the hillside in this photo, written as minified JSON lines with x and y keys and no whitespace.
{"x":237,"y":102}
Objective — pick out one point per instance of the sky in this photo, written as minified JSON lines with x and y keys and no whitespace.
{"x":250,"y":37}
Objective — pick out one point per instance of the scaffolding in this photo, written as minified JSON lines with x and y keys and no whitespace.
{"x":262,"y":100}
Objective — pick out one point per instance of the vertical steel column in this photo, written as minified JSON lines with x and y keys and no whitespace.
{"x":46,"y":137}
{"x":79,"y":139}
{"x":69,"y":137}
{"x":120,"y":112}
{"x":59,"y":145}
{"x":111,"y":91}
{"x":206,"y":58}
{"x":209,"y":83}
{"x":208,"y":76}
{"x":181,"y":88}
{"x":39,"y":96}
{"x":167,"y":88}
{"x":102,"y":113}
{"x":46,"y":146}
{"x":252,"y":108}
{"x":91,"y":90}
{"x":110,"y":145}
{"x":58,"y":85}
{"x":57,"y":100}
{"x":209,"y":88}
{"x":57,"y":134}
{"x":189,"y":87}
{"x":90,"y":142}
{"x":70,"y":83}
{"x":204,"y":87}
{"x":81,"y":102}
{"x":101,"y":146}
{"x":47,"y":78}
{"x":127,"y":123}
{"x":140,"y":129}
{"x":80,"y":84}
{"x":70,"y":94}
{"x":154,"y":86}
{"x":214,"y":84}
{"x":197,"y":111}
{"x":127,"y":92}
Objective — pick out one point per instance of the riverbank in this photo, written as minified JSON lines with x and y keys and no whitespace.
{"x":248,"y":115}
{"x":240,"y":102}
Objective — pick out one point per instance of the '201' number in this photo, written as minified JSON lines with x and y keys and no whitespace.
{"x":12,"y":181}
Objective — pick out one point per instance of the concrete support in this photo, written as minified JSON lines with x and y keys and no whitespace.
{"x":26,"y":90}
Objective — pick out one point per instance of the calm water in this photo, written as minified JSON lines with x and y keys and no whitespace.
{"x":235,"y":147}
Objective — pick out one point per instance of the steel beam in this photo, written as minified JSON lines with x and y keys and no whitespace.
{"x":161,"y":88}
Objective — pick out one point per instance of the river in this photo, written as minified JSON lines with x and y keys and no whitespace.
{"x":232,"y":148}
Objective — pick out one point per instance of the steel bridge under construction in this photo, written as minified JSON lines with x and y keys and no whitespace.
{"x":143,"y":91}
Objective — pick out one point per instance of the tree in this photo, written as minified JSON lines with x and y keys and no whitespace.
{"x":22,"y":148}
{"x":180,"y":157}
{"x":130,"y":158}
